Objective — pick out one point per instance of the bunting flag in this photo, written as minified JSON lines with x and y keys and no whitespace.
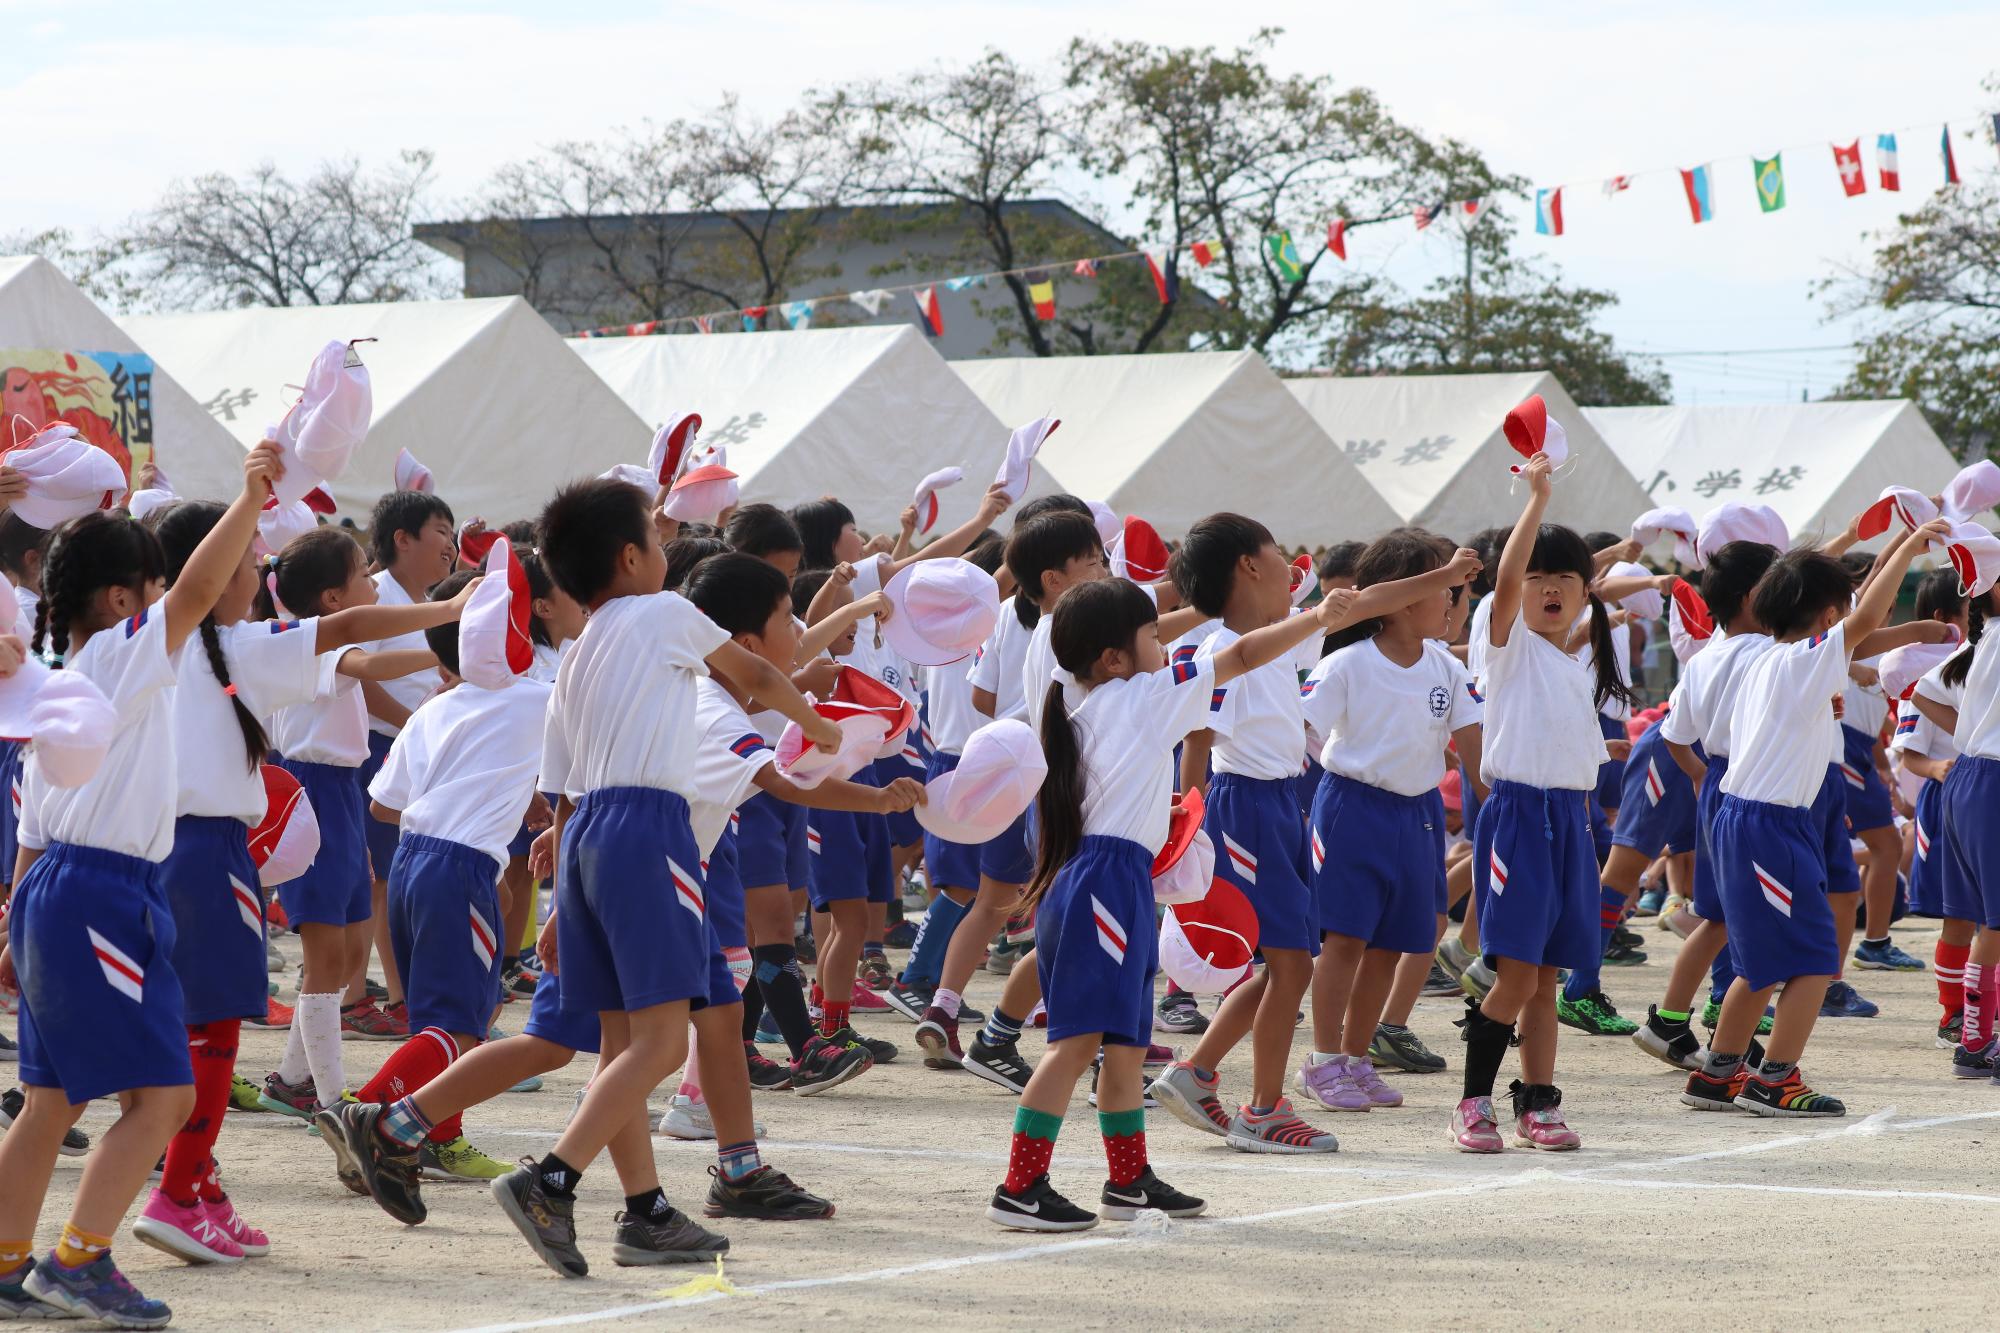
{"x":703,"y":324}
{"x":964,"y":280}
{"x":1770,"y":175}
{"x":872,"y":301}
{"x":1695,"y":181}
{"x":798,"y":314}
{"x":927,"y":309}
{"x":1166,"y":279}
{"x":1549,"y":211}
{"x":1886,"y":174}
{"x":1042,"y":291}
{"x":1616,"y":185}
{"x":1950,"y":160}
{"x":1205,"y":252}
{"x":1336,"y":237}
{"x":754,"y":316}
{"x":1853,"y":176}
{"x":1085,"y":268}
{"x":1471,"y":207}
{"x":1426,"y":214}
{"x":1285,"y":255}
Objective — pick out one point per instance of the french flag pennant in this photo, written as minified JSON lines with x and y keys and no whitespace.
{"x":1246,"y":864}
{"x":687,"y":888}
{"x":1110,"y":935}
{"x":248,"y":906}
{"x":1498,"y":869}
{"x":1775,"y":893}
{"x":125,"y":975}
{"x":1655,"y":789}
{"x":482,"y":939}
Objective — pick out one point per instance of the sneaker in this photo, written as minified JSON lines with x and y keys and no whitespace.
{"x":1156,"y":1059}
{"x":1789,"y":1099}
{"x":1884,"y":957}
{"x":518,"y":980}
{"x":243,"y":1094}
{"x":938,"y":1036}
{"x":1396,"y":1047}
{"x":458,"y":1160}
{"x":1675,"y":1043}
{"x":866,"y":1001}
{"x":364,"y":1022}
{"x":673,"y":1239}
{"x":805,"y":949}
{"x":1473,"y":1127}
{"x":398,"y":1015}
{"x":95,"y":1291}
{"x":1332,"y":1085}
{"x":532,"y":1083}
{"x":1454,"y":957}
{"x":1677,"y":915}
{"x":1705,"y":1092}
{"x":768,"y":1033}
{"x":823,"y":1065}
{"x":1439,"y":982}
{"x":299,"y":1099}
{"x":185,"y":1232}
{"x":875,"y":973}
{"x":17,"y":1302}
{"x":1378,"y":1092}
{"x":1146,"y":1099}
{"x":10,"y":1051}
{"x":902,"y":935}
{"x":1843,"y":1001}
{"x":1477,"y":979}
{"x":1277,"y":1131}
{"x":881,"y":1052}
{"x":1975,"y":1064}
{"x":909,"y":1001}
{"x":1951,"y":1030}
{"x":1538,"y":1119}
{"x":254,"y":1243}
{"x":1190,"y":1097}
{"x":1180,"y":1013}
{"x":277,"y":1017}
{"x":546,"y":1222}
{"x":388,"y":1172}
{"x":1122,"y":1203}
{"x":766,"y":1074}
{"x":1001,"y":958}
{"x":374,"y":991}
{"x":1631,"y":939}
{"x":1623,"y":955}
{"x":1000,"y":1064}
{"x":1711,"y":1014}
{"x":765,"y":1193}
{"x":1650,"y":902}
{"x":1593,"y":1014}
{"x":1037,"y":1208}
{"x":75,"y":1143}
{"x":274,"y":958}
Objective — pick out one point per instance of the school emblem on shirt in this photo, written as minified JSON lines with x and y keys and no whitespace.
{"x":1440,"y":701}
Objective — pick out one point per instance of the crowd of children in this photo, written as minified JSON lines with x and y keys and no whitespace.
{"x":1430,"y":778}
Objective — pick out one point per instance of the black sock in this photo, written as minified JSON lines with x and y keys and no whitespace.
{"x":558,"y":1177}
{"x":1485,"y":1047}
{"x":650,"y":1204}
{"x":753,"y":1008}
{"x":508,"y":960}
{"x":776,"y":970}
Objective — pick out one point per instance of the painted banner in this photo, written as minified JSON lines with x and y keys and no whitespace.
{"x":107,"y":396}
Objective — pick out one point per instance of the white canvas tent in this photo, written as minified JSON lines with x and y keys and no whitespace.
{"x":1817,"y":464}
{"x":1434,"y":448}
{"x":482,"y":392}
{"x":41,"y":310}
{"x":863,"y":414}
{"x":1178,"y":435}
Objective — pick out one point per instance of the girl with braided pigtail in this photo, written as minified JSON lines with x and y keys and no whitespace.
{"x":245,"y":671}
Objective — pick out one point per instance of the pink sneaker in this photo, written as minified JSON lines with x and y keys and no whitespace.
{"x":1370,"y":1083}
{"x":185,"y":1233}
{"x":866,"y":1001}
{"x":1544,"y":1128}
{"x":1473,"y":1127}
{"x":1332,"y":1085}
{"x":254,"y":1243}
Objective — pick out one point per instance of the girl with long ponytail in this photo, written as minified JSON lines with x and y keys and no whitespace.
{"x":1103,"y":817}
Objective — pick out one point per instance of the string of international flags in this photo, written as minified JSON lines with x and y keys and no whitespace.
{"x":1698,"y":184}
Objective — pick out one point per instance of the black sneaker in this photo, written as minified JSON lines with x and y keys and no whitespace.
{"x":938,"y":1036}
{"x":824,"y":1065}
{"x":75,"y":1143}
{"x":999,"y":1064}
{"x":909,"y":1001}
{"x":1674,"y":1043}
{"x":1147,"y":1102}
{"x":1038,"y":1208}
{"x":805,"y":949}
{"x":1121,"y":1203}
{"x":1951,"y":1030}
{"x":1180,"y":1012}
{"x":766,"y":1074}
{"x":1788,"y":1098}
{"x":1396,"y":1047}
{"x":1975,"y":1064}
{"x":1621,"y":954}
{"x":334,"y":1133}
{"x":546,"y":1222}
{"x":389,"y":1173}
{"x":1630,"y":939}
{"x":1705,"y":1092}
{"x":673,"y":1239}
{"x":881,"y":1052}
{"x":1440,"y":982}
{"x":765,"y":1193}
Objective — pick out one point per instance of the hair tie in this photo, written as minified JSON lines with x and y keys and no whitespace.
{"x":230,"y":689}
{"x":271,"y":561}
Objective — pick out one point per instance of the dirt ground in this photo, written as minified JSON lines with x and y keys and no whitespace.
{"x":1866,"y":1221}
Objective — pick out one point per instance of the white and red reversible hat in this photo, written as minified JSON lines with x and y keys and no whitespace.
{"x":495,"y":643}
{"x":285,"y":842}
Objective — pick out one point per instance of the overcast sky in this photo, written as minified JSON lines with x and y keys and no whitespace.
{"x":103,"y":103}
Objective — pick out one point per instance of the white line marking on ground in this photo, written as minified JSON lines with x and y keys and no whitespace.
{"x":1831,"y":1191}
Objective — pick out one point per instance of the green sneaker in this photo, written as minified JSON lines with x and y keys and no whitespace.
{"x":1711,"y":1014}
{"x":458,"y":1160}
{"x":1593,"y":1014}
{"x":243,"y":1094}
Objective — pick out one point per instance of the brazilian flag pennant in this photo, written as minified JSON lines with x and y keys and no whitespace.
{"x":1285,"y":255}
{"x":1770,"y":182}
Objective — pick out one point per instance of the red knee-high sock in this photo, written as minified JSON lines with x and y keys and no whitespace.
{"x":1948,"y":966}
{"x":212,"y":1050}
{"x":416,"y":1062}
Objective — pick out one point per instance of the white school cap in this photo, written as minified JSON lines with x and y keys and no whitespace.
{"x":1731,"y":521}
{"x":1022,"y":446}
{"x":70,"y":726}
{"x":327,"y":424}
{"x":285,"y":842}
{"x":941,"y":610}
{"x":67,"y":476}
{"x":926,"y":501}
{"x":412,"y":475}
{"x":1650,"y":526}
{"x":495,"y":645}
{"x":1000,"y":769}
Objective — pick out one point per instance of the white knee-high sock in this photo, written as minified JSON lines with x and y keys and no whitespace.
{"x":319,"y":1015}
{"x":293,"y":1068}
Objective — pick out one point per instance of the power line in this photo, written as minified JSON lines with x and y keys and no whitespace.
{"x":1750,"y":351}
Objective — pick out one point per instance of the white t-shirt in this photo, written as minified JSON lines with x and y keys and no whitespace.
{"x":129,"y":806}
{"x":1478,"y":641}
{"x":1782,"y":721}
{"x":1187,"y":645}
{"x":878,"y":659}
{"x":1621,"y":647}
{"x":1541,"y":722}
{"x":1038,"y":669}
{"x":273,"y":666}
{"x":1917,"y":734}
{"x":1703,"y":703}
{"x":996,"y":667}
{"x":330,"y":729}
{"x":952,"y":717}
{"x":25,"y":627}
{"x":547,"y":661}
{"x":1126,"y":734}
{"x":1864,"y":708}
{"x":1388,"y":725}
{"x":464,"y":766}
{"x":1978,"y":731}
{"x":728,"y":756}
{"x":623,"y":699}
{"x":413,"y":689}
{"x":1258,"y":721}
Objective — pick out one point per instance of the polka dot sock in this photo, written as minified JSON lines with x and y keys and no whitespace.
{"x":1124,"y":1144}
{"x":1034,"y":1143}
